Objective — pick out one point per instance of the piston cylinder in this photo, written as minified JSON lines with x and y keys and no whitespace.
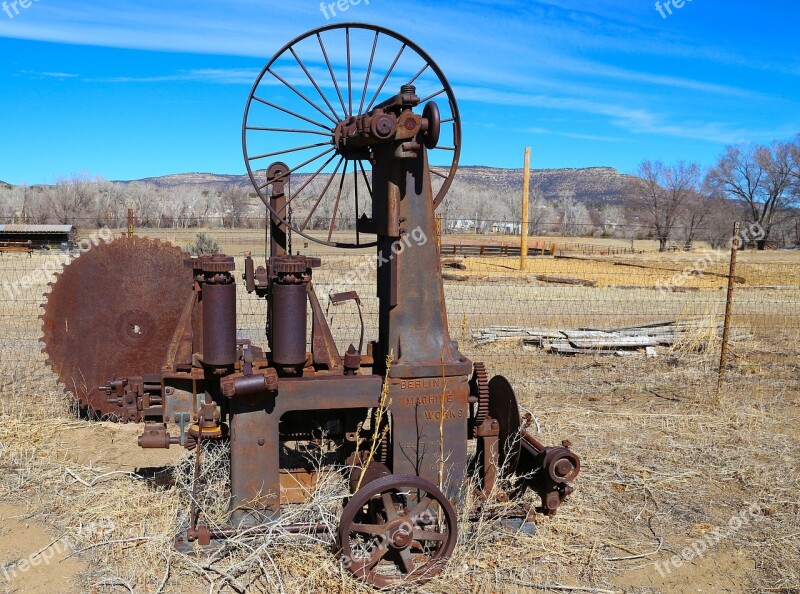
{"x":289,"y":324}
{"x":219,"y":324}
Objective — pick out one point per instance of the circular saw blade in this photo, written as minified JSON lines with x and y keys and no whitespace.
{"x":112,"y":313}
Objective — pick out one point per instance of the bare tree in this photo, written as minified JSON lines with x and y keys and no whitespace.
{"x":763,"y":178}
{"x":234,"y":202}
{"x":72,"y":199}
{"x":662,"y":191}
{"x":694,"y":217}
{"x":575,"y":218}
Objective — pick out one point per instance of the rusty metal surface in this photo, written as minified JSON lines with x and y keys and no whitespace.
{"x":111,"y":313}
{"x":407,"y":419}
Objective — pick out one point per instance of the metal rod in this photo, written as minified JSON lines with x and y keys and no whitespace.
{"x":369,"y":72}
{"x":303,"y":164}
{"x":385,"y":78}
{"x":314,"y":82}
{"x":324,"y":190}
{"x":291,"y":113}
{"x":330,"y":69}
{"x":291,"y":150}
{"x":303,"y":97}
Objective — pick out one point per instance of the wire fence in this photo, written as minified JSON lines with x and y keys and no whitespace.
{"x":606,"y":324}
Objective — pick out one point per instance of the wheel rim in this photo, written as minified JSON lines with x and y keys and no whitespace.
{"x":339,"y":89}
{"x":397,"y":529}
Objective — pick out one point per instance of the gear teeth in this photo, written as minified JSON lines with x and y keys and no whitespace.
{"x":479,"y":385}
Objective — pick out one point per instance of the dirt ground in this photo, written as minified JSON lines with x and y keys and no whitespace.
{"x":679,"y":492}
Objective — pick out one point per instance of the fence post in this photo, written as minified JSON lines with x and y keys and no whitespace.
{"x":523,"y":228}
{"x":726,"y":330}
{"x":130,"y":222}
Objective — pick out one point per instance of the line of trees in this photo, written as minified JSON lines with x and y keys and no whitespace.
{"x":758,"y":184}
{"x":675,"y":204}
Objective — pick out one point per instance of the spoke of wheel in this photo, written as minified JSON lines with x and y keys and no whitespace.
{"x":371,"y":529}
{"x":338,"y":199}
{"x":385,"y":78}
{"x":429,"y":97}
{"x":448,"y":120}
{"x":376,"y":556}
{"x":407,"y":560}
{"x":355,"y":185}
{"x":366,"y":181}
{"x":418,"y":74}
{"x":322,"y":154}
{"x":303,"y":97}
{"x":291,"y":113}
{"x":369,"y":72}
{"x":388,"y":506}
{"x":442,"y":175}
{"x":322,"y":195}
{"x":313,"y":82}
{"x":445,"y":148}
{"x":423,"y":504}
{"x":294,"y":130}
{"x":287,"y":151}
{"x":308,"y":181}
{"x":420,"y":534}
{"x":330,"y":69}
{"x":349,"y":76}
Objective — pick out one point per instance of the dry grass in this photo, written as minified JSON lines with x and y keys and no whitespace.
{"x":663,"y":465}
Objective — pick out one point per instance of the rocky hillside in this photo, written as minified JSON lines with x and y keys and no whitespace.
{"x":594,"y":186}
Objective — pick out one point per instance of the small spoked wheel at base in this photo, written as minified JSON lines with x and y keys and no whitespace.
{"x":397,"y":529}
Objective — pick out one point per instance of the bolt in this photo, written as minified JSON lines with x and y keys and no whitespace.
{"x":261,"y":441}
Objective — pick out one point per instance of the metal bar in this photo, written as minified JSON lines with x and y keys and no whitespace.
{"x":303,"y":97}
{"x":288,"y":173}
{"x":385,"y":78}
{"x":369,"y":72}
{"x":291,"y":150}
{"x":330,"y":69}
{"x":316,"y":204}
{"x":313,"y":82}
{"x":291,"y":113}
{"x":294,"y":130}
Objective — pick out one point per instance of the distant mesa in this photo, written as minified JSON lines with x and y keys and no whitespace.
{"x":594,"y":186}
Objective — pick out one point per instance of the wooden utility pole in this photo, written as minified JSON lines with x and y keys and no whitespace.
{"x":523,"y":228}
{"x":726,"y":331}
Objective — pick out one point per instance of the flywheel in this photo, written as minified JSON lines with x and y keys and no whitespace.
{"x":112,"y":312}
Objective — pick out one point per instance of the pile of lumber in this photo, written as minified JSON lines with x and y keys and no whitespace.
{"x":609,"y":341}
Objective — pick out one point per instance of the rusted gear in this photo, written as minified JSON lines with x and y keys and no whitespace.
{"x":479,"y":387}
{"x":294,"y":264}
{"x":397,"y":530}
{"x":112,"y":313}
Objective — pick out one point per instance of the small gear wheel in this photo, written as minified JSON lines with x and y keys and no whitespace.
{"x":479,"y":387}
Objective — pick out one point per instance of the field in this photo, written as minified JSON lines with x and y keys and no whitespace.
{"x":681,"y":490}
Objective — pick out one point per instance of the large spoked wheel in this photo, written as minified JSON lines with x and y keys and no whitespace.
{"x":395,"y":529}
{"x":316,"y":81}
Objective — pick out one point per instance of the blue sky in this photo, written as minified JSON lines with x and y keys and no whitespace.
{"x":125,"y":90}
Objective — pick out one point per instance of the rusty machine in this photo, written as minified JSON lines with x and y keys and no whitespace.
{"x":140,"y":332}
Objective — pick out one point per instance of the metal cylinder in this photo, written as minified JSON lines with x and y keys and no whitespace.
{"x":289,"y":310}
{"x":219,"y":324}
